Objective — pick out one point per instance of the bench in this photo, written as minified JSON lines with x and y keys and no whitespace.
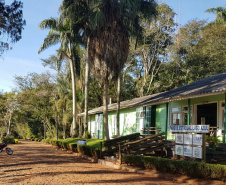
{"x":147,"y":131}
{"x":112,"y":144}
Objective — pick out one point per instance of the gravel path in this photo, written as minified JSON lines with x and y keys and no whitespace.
{"x":39,"y":163}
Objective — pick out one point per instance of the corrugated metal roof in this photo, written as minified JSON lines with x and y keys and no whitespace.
{"x":211,"y":85}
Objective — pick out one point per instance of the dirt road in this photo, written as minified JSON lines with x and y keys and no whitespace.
{"x":38,"y":163}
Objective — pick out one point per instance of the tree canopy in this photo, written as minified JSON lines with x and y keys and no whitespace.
{"x":11,"y":24}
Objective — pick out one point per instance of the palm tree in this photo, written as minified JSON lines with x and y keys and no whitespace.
{"x":108,"y":24}
{"x":220,"y":13}
{"x":60,"y":32}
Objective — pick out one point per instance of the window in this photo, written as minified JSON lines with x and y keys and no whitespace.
{"x":185,"y":115}
{"x":141,"y":115}
{"x":179,"y":115}
{"x":176,"y":116}
{"x":222,"y":106}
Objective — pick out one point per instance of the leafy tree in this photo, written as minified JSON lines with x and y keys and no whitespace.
{"x":11,"y":23}
{"x":37,"y":103}
{"x":11,"y":106}
{"x":220,"y":13}
{"x":182,"y":54}
{"x":153,"y":47}
{"x":108,"y":25}
{"x":60,"y":32}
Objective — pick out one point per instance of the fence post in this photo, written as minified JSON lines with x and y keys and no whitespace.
{"x":100,"y":149}
{"x":119,"y":153}
{"x":161,"y":147}
{"x":204,"y":148}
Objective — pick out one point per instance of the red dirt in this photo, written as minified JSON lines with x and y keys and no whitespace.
{"x":38,"y":163}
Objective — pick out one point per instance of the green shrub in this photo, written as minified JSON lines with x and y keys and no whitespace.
{"x":89,"y":151}
{"x":190,"y":168}
{"x":73,"y":147}
{"x":87,"y":135}
{"x":36,"y":139}
{"x":47,"y":140}
{"x":84,"y":149}
{"x":8,"y":140}
{"x":53,"y":142}
{"x":65,"y":145}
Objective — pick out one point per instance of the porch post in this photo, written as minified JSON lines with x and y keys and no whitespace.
{"x":189,"y":111}
{"x":224,"y":118}
{"x":145,"y":117}
{"x":167,"y":109}
{"x":89,"y":125}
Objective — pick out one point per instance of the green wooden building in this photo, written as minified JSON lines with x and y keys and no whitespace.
{"x":201,"y":102}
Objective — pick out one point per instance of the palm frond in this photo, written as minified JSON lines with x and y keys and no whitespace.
{"x":48,"y":24}
{"x":50,"y":40}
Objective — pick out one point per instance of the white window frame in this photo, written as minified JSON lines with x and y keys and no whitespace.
{"x":221,"y":119}
{"x":176,"y":112}
{"x":182,"y":113}
{"x":191,"y":114}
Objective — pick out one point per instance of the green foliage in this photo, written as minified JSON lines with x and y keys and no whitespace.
{"x":23,"y":130}
{"x":12,"y":24}
{"x":8,"y":140}
{"x":220,"y":13}
{"x":87,"y":135}
{"x":91,"y":149}
{"x":190,"y":168}
{"x":213,"y":142}
{"x":73,"y":147}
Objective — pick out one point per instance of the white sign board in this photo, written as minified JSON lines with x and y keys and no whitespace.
{"x":188,"y":139}
{"x":197,"y":139}
{"x":179,"y":139}
{"x":179,"y":149}
{"x":188,"y":151}
{"x":190,"y":128}
{"x":197,"y":152}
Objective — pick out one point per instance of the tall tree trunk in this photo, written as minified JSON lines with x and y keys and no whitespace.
{"x":45,"y":128}
{"x":86,"y":96}
{"x":143,"y":84}
{"x":9,"y":125}
{"x":118,"y":105}
{"x":64,"y":129}
{"x":80,"y":127}
{"x":73,"y":81}
{"x":105,"y":110}
{"x":57,"y":124}
{"x":56,"y":118}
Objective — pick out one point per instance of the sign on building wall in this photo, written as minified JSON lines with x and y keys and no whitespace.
{"x":190,"y":128}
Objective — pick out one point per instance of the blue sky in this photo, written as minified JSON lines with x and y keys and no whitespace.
{"x":24,"y":58}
